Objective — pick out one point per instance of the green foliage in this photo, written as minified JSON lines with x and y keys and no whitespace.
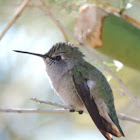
{"x":121,"y":41}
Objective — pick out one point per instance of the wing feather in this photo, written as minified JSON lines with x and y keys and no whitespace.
{"x":84,"y":93}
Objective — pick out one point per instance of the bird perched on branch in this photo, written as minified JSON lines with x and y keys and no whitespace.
{"x":81,"y":86}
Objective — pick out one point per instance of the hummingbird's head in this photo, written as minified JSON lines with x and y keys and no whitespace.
{"x":64,"y":52}
{"x":61,"y":57}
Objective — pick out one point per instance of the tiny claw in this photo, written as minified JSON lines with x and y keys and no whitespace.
{"x":72,"y":110}
{"x":81,"y":112}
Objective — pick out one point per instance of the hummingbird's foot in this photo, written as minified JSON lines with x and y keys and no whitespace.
{"x":72,"y":110}
{"x":81,"y":112}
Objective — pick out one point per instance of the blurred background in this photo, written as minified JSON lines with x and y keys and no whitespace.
{"x":23,"y":76}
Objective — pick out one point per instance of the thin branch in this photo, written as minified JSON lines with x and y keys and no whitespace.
{"x":65,"y":109}
{"x":19,"y":110}
{"x":14,"y":18}
{"x":50,"y":14}
{"x":128,"y":118}
{"x":120,"y":116}
{"x":51,"y":103}
{"x":92,"y":53}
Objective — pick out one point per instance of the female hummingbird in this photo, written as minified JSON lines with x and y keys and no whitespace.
{"x":81,"y":86}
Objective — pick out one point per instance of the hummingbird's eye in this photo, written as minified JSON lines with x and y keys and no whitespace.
{"x":58,"y":58}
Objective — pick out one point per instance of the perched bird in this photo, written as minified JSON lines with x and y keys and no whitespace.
{"x":81,"y":86}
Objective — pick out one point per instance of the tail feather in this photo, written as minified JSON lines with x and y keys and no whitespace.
{"x":101,"y":123}
{"x":111,"y":129}
{"x":118,"y":126}
{"x":106,"y":135}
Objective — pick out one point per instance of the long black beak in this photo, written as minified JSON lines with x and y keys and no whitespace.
{"x":40,"y":55}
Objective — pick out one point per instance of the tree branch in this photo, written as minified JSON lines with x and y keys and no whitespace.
{"x":19,"y":110}
{"x":92,"y":53}
{"x":50,"y":15}
{"x":65,"y":109}
{"x":56,"y":21}
{"x":128,"y":118}
{"x":14,"y":18}
{"x":51,"y":103}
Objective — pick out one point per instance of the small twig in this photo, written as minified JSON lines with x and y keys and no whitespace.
{"x":128,"y":118}
{"x":19,"y":110}
{"x":120,"y":116}
{"x":50,"y":15}
{"x":64,"y":110}
{"x":14,"y":18}
{"x":51,"y":103}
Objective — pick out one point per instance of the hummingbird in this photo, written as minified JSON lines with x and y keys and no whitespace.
{"x":81,"y":86}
